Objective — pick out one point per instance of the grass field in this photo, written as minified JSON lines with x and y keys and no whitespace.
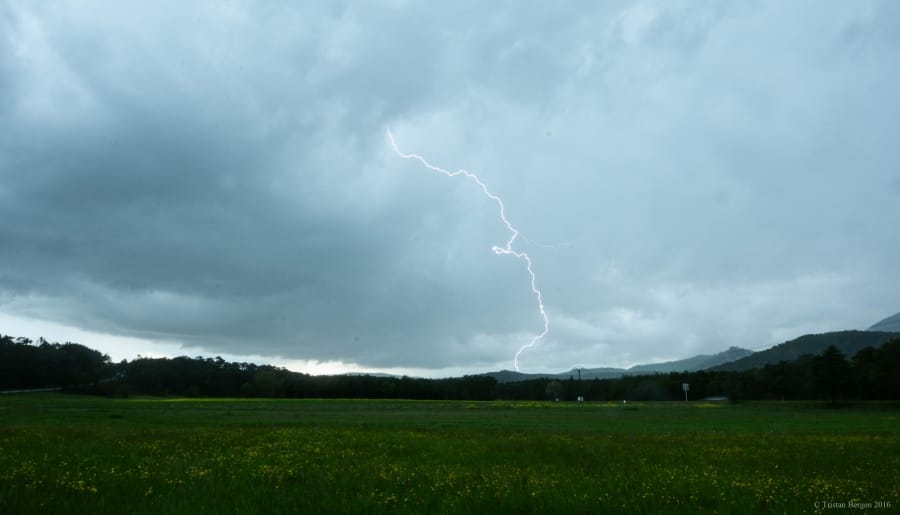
{"x":69,"y":454}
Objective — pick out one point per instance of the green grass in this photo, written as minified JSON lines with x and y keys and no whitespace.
{"x":71,"y":454}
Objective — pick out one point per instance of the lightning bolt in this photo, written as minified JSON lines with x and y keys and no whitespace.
{"x":506,"y":250}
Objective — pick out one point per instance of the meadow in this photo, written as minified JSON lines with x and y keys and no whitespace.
{"x":73,"y":454}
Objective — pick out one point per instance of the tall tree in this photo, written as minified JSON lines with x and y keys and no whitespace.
{"x":831,"y":373}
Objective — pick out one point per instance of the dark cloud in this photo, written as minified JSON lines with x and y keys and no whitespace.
{"x":688,"y":177}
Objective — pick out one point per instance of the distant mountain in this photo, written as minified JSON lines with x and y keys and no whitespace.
{"x":372,"y":374}
{"x":509,"y":376}
{"x":890,"y":324}
{"x":699,"y":362}
{"x":735,"y":358}
{"x":849,"y":342}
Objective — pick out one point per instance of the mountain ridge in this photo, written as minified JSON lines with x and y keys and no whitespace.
{"x":692,"y":364}
{"x":735,"y":358}
{"x":890,"y":324}
{"x":848,"y":342}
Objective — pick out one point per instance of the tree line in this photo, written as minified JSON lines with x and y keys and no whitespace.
{"x":870,"y":374}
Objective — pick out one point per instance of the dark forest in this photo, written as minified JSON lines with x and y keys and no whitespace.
{"x":870,"y":374}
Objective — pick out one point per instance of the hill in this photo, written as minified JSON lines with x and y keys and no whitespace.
{"x":509,"y":376}
{"x":848,"y":342}
{"x":692,"y":364}
{"x":699,"y":362}
{"x":890,"y":324}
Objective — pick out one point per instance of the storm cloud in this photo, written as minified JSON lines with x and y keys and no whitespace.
{"x":686,"y":175}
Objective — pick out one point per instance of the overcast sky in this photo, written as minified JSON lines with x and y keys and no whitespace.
{"x":216,"y":178}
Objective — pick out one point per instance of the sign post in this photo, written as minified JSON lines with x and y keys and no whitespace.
{"x":685,"y":387}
